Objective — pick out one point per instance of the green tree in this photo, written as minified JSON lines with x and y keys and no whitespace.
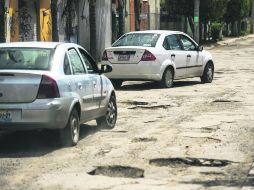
{"x":211,"y":11}
{"x":180,"y":7}
{"x":236,"y":11}
{"x":2,"y":25}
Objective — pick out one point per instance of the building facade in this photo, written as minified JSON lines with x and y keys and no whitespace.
{"x":27,"y":20}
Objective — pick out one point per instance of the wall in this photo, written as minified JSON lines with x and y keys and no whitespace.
{"x":154,"y":14}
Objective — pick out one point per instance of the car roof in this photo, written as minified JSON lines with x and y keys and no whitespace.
{"x":49,"y":45}
{"x":157,"y":32}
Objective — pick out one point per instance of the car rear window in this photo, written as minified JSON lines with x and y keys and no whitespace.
{"x":138,"y":39}
{"x":25,"y":58}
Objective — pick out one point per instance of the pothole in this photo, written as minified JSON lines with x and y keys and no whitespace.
{"x":118,"y":171}
{"x":181,"y":162}
{"x":144,"y":139}
{"x":151,"y":107}
{"x":135,"y":103}
{"x":225,"y":101}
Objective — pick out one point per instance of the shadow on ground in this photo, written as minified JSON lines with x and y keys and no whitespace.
{"x":35,"y":143}
{"x":142,"y":86}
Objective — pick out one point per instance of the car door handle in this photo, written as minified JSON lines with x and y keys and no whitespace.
{"x":80,"y":86}
{"x":173,"y":55}
{"x":189,"y":56}
{"x":94,"y":83}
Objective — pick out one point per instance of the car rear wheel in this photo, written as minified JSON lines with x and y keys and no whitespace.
{"x":70,"y":134}
{"x":109,"y":120}
{"x":168,"y":78}
{"x":207,"y":76}
{"x":117,"y":83}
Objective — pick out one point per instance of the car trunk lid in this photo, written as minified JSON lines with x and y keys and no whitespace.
{"x":123,"y":55}
{"x":16,"y":87}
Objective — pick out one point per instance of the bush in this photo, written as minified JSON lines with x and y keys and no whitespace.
{"x":216,"y":29}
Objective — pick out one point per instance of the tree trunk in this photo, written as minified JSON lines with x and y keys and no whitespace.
{"x":2,"y":25}
{"x":137,"y":14}
{"x":92,"y":21}
{"x":190,"y":19}
{"x":55,"y":36}
{"x":205,"y":31}
{"x":196,"y":20}
{"x":121,"y":18}
{"x":252,"y":18}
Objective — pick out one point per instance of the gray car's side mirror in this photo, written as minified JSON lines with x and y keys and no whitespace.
{"x":200,"y":48}
{"x":106,"y":69}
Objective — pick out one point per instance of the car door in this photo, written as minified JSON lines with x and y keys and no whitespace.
{"x":192,"y":55}
{"x":176,"y":54}
{"x":95,"y":77}
{"x":83,"y":84}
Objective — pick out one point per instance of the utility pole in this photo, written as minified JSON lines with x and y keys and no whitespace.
{"x":252,"y":18}
{"x":55,"y":36}
{"x":137,"y":14}
{"x":92,"y":21}
{"x":196,"y":20}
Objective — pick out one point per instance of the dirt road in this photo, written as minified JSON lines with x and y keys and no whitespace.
{"x":193,"y":136}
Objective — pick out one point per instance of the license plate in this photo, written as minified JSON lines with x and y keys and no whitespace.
{"x":5,"y":116}
{"x":123,"y":57}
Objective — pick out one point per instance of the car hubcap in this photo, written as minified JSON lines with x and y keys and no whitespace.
{"x":168,"y":78}
{"x":75,"y":129}
{"x":210,"y":73}
{"x":111,"y":113}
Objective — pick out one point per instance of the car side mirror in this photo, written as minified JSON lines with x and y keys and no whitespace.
{"x":106,"y":69}
{"x":200,"y":48}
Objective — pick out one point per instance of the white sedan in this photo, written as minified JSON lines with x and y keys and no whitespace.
{"x":157,"y":55}
{"x":53,"y":86}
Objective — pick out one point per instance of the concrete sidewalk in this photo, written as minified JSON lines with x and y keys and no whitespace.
{"x":227,"y":41}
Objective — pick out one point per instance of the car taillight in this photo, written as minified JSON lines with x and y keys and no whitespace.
{"x":148,"y":56}
{"x":48,"y":88}
{"x":105,"y":56}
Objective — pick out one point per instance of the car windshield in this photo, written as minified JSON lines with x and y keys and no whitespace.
{"x":138,"y":39}
{"x":25,"y":58}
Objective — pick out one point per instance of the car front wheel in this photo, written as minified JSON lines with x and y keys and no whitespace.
{"x":70,"y":134}
{"x":109,"y":120}
{"x":207,"y":76}
{"x":168,"y":78}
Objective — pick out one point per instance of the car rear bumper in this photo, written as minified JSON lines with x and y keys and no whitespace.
{"x":41,"y":114}
{"x":144,"y":70}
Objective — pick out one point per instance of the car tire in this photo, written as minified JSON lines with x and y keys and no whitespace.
{"x":70,"y":134}
{"x":208,"y":73}
{"x":167,"y":78}
{"x":108,"y":121}
{"x":116,"y":83}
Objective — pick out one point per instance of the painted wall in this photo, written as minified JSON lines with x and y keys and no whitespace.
{"x":45,"y":21}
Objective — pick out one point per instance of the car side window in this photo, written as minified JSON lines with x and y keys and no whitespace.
{"x":67,"y":67}
{"x":188,"y":45}
{"x":171,"y":42}
{"x":76,"y":62}
{"x":88,"y":62}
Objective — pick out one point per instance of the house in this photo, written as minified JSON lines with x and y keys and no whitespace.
{"x":37,"y":20}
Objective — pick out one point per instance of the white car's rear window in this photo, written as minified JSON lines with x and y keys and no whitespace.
{"x":138,"y":39}
{"x":25,"y":58}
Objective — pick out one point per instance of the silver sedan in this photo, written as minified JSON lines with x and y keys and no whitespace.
{"x":53,"y":86}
